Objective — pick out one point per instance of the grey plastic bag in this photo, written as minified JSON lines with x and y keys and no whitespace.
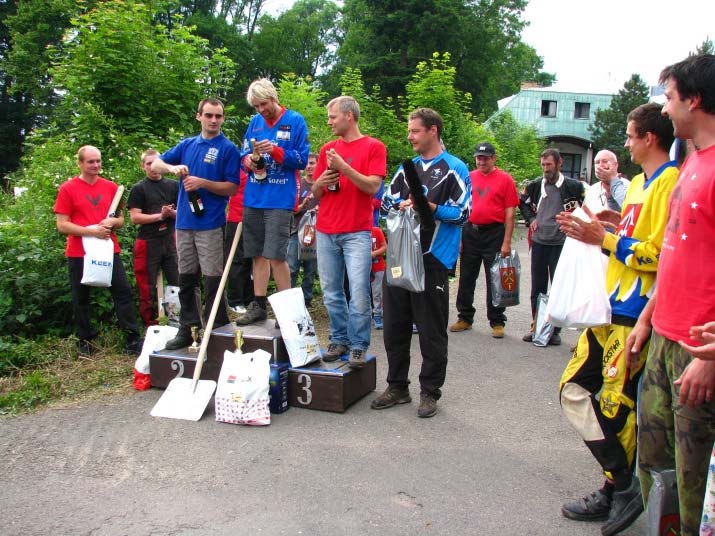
{"x":405,"y":267}
{"x":543,"y":330}
{"x":306,"y":236}
{"x":505,"y":277}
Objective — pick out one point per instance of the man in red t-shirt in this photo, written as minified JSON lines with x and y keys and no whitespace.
{"x":349,"y":172}
{"x":486,"y":234}
{"x":676,"y":421}
{"x":81,"y":209}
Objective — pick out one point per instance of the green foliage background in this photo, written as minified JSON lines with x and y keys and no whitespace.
{"x":126,"y":78}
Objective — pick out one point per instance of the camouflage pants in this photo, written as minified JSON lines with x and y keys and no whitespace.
{"x":673,"y":436}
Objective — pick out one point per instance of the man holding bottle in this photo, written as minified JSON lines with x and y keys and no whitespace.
{"x":208,"y":168}
{"x":274,"y":151}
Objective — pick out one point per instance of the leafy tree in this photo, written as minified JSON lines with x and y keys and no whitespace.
{"x":388,"y":39}
{"x":609,"y":127}
{"x":301,"y":40}
{"x":706,"y":47}
{"x":518,"y":147}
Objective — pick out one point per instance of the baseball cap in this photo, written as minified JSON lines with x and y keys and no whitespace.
{"x":485,"y":149}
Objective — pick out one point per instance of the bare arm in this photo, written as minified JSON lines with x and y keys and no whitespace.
{"x":508,"y":231}
{"x":102,"y":230}
{"x":370,"y":184}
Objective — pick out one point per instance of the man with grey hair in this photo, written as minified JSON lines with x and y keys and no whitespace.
{"x":349,"y":172}
{"x":280,"y":136}
{"x":610,"y":190}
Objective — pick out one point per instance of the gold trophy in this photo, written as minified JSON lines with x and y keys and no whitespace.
{"x":194,"y":335}
{"x":238,"y":338}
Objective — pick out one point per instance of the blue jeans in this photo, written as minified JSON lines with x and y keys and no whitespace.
{"x":309,"y":268}
{"x":349,"y":325}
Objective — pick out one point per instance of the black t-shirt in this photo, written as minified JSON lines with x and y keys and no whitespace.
{"x":150,"y":196}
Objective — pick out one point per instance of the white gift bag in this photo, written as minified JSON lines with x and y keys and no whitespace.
{"x":98,"y":261}
{"x":242,"y":389}
{"x":171,"y":304}
{"x":297,"y":328}
{"x":578,"y":297}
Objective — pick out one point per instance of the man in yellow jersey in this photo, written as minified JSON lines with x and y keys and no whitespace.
{"x":598,"y":390}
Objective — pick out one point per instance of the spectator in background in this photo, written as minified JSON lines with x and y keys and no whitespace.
{"x":152,"y":206}
{"x":610,"y":190}
{"x":542,"y":199}
{"x":306,"y":202}
{"x":379,"y":247}
{"x":239,"y":285}
{"x":81,"y":209}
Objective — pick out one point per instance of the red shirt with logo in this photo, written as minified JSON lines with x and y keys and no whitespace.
{"x":491,"y":195}
{"x":85,"y":204}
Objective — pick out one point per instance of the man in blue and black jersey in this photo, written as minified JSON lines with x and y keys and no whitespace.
{"x":443,"y":202}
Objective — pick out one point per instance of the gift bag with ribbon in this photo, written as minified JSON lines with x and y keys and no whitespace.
{"x":505,"y":275}
{"x":98,"y":261}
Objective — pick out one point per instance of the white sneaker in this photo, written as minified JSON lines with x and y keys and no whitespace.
{"x":239,"y":309}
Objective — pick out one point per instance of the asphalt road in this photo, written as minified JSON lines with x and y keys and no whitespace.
{"x":499,"y":458}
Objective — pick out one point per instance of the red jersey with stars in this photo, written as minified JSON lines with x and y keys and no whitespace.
{"x":686,"y":272}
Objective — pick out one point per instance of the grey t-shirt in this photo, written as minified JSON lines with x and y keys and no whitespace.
{"x":547,"y":231}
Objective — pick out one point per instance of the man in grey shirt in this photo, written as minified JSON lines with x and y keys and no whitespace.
{"x":542,"y":199}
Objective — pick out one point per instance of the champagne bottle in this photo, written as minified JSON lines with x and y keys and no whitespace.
{"x":260,"y":172}
{"x":334,"y":187}
{"x":195,"y":203}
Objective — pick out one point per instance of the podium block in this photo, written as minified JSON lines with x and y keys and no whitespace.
{"x":330,"y":386}
{"x":165,"y":365}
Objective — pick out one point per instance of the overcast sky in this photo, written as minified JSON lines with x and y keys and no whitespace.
{"x":596,"y":46}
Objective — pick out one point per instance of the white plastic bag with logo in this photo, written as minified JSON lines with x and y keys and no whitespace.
{"x":98,"y":261}
{"x":297,"y":327}
{"x":155,"y":339}
{"x":172,"y":305}
{"x":242,"y":388}
{"x":578,"y":297}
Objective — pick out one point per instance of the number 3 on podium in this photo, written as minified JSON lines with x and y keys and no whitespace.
{"x":305,"y":381}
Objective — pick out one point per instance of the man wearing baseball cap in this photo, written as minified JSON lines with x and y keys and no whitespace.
{"x":488,"y":232}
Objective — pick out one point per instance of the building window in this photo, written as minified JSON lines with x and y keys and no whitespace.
{"x":572,"y":165}
{"x":548,"y":108}
{"x":582,"y":110}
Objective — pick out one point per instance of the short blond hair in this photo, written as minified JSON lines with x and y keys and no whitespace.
{"x":345,"y":104}
{"x":149,"y":152}
{"x":261,"y":89}
{"x":84,"y":149}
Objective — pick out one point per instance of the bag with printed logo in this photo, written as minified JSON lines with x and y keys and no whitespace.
{"x":505,"y":274}
{"x":98,"y":261}
{"x":242,"y":388}
{"x":306,"y":236}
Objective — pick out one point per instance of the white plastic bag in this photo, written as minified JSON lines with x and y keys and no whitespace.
{"x":405,"y":266}
{"x":155,"y":339}
{"x":297,"y":328}
{"x":578,"y":297}
{"x":242,"y":389}
{"x":98,"y":261}
{"x":543,"y":330}
{"x":171,"y":304}
{"x":505,"y":275}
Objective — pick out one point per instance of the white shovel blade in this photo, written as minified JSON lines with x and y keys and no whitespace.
{"x":180,"y":401}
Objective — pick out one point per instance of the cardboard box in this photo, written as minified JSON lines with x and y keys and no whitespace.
{"x":278,"y":390}
{"x":330,"y":386}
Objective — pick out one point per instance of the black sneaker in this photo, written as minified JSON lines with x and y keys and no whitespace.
{"x":428,"y":406}
{"x":182,"y":340}
{"x":254,"y":313}
{"x":555,"y":340}
{"x":357,"y":359}
{"x":334,"y":352}
{"x":134,"y":346}
{"x":626,"y":506}
{"x":593,"y":507}
{"x":529,"y":337}
{"x":391,"y":396}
